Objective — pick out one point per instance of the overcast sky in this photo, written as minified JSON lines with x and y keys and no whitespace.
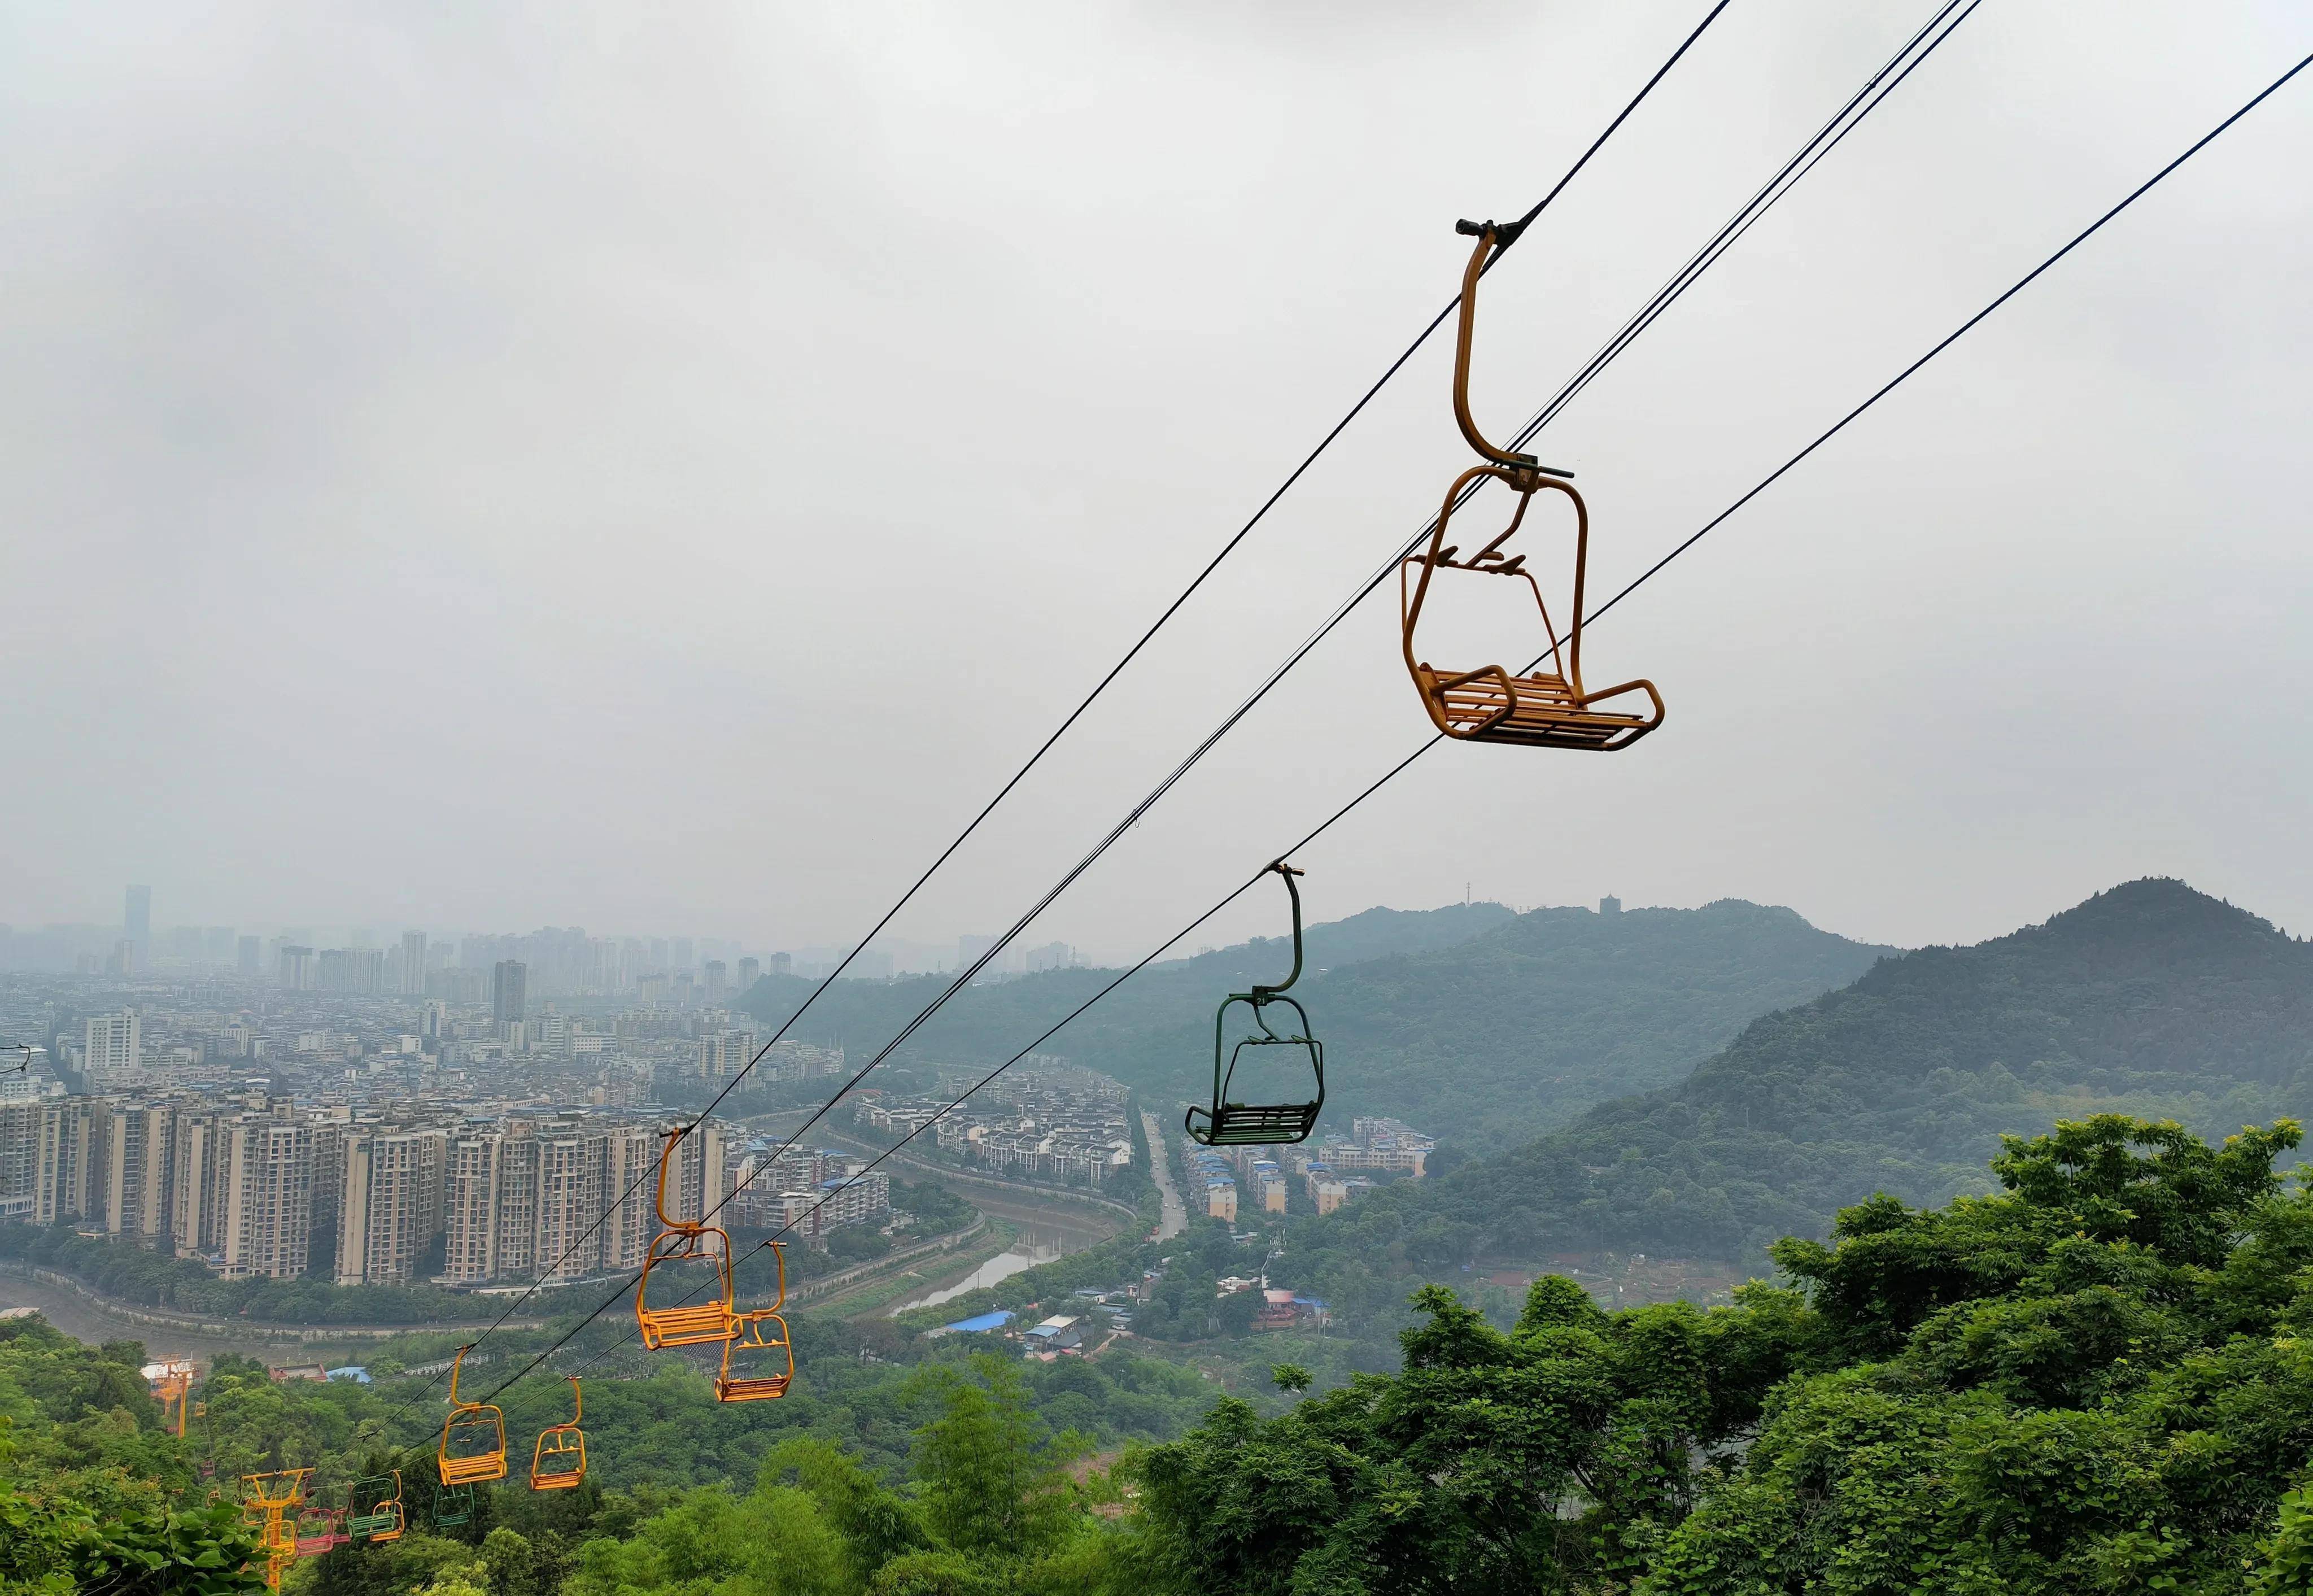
{"x":660,"y":468}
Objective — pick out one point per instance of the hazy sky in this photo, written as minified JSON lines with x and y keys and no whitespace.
{"x":659,"y":468}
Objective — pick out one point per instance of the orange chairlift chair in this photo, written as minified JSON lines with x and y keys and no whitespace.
{"x":473,"y":1437}
{"x":685,"y":1242}
{"x":558,"y":1461}
{"x":1544,"y":708}
{"x":761,"y":1330}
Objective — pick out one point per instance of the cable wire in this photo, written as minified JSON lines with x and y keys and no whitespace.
{"x":1100,"y":687}
{"x":1765,"y":482}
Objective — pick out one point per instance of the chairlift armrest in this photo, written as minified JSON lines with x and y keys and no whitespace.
{"x":1639,"y":685}
{"x":1463,"y":678}
{"x":1509,"y":696}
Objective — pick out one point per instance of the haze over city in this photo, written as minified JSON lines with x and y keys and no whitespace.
{"x":455,"y":478}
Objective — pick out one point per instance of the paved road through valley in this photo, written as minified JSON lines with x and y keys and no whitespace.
{"x":1160,"y":1164}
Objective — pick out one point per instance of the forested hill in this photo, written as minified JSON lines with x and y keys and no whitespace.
{"x":1477,"y":1025}
{"x":1527,"y":1026}
{"x":2150,"y":999}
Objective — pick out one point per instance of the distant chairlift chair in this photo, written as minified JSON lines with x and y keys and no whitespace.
{"x":1229,"y":1124}
{"x":558,"y":1461}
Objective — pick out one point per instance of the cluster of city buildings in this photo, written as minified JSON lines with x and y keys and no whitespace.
{"x":1332,"y":1170}
{"x":1047,"y":1120}
{"x":457,"y":1193}
{"x":270,"y":1128}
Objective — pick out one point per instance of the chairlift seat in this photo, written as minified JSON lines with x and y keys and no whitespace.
{"x":688,"y":1324}
{"x":772,"y":1384}
{"x":685,"y":1242}
{"x":758,"y":1387}
{"x":473,"y":1437}
{"x":481,"y":1428}
{"x":558,"y":1461}
{"x":1540,"y":711}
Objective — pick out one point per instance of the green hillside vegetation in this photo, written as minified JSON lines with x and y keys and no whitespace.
{"x":1472,"y":1023}
{"x":2096,"y":1381}
{"x":1525,"y":1026}
{"x":2150,"y":999}
{"x":2099,"y":1379}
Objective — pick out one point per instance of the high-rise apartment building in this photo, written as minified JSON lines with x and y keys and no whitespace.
{"x":705,"y":1165}
{"x":750,"y":970}
{"x":295,"y":967}
{"x":196,"y":1203}
{"x":782,"y":964}
{"x":508,"y":979}
{"x":248,"y":949}
{"x":629,"y":1154}
{"x":570,"y":1195}
{"x":725,"y":1054}
{"x":19,"y":1157}
{"x":490,"y":1200}
{"x":413,"y":965}
{"x":680,"y":955}
{"x":390,"y":1206}
{"x":115,"y":1055}
{"x":832,"y":1205}
{"x":523,"y":1198}
{"x":139,"y":1169}
{"x":67,"y":1182}
{"x":351,"y":971}
{"x":267,"y":1200}
{"x":718,"y":983}
{"x":136,"y":924}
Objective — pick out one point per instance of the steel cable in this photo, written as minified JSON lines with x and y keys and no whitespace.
{"x":1716,"y":521}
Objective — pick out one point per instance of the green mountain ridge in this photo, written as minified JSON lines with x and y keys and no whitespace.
{"x":2150,"y":999}
{"x":1477,"y":1025}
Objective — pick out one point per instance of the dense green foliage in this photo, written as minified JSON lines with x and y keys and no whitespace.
{"x":88,"y":1484}
{"x":2098,"y":1379}
{"x":1469,"y":1022}
{"x":119,"y":1267}
{"x":2095,"y":1380}
{"x":2150,"y":1000}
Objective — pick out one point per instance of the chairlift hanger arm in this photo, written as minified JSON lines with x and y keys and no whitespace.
{"x":1262,"y":994}
{"x":1492,"y":239}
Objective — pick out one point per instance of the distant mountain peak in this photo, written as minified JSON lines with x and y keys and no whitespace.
{"x":2154,"y":910}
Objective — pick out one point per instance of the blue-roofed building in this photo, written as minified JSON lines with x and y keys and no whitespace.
{"x":352,"y":1371}
{"x":973,"y":1327}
